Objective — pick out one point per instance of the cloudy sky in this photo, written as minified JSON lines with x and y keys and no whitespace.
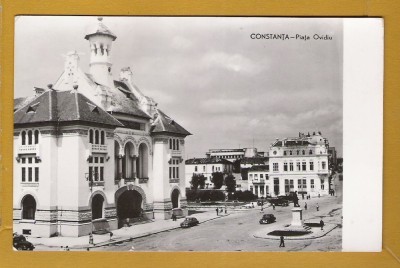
{"x":207,"y":73}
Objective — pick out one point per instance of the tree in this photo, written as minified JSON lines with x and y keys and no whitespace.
{"x":198,"y":180}
{"x":218,"y":179}
{"x":230,"y":183}
{"x":236,"y":166}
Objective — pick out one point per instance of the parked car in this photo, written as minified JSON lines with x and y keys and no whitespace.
{"x":189,"y":222}
{"x":20,"y":243}
{"x":267,"y":218}
{"x":278,"y":202}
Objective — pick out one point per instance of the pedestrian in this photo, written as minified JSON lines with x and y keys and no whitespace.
{"x":91,"y":239}
{"x":216,"y":211}
{"x":302,"y":196}
{"x":322,"y":224}
{"x":87,"y":249}
{"x":319,"y":195}
{"x":305,"y":206}
{"x":333,"y":192}
{"x":220,"y":210}
{"x":111,"y":235}
{"x":262,"y":208}
{"x":282,"y":244}
{"x":226,"y":210}
{"x":66,"y":248}
{"x":273,"y":206}
{"x":317,"y":207}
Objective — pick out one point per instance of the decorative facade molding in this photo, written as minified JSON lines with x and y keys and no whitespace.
{"x":161,"y":140}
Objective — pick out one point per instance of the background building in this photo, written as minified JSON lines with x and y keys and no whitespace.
{"x":92,"y":153}
{"x":299,"y":164}
{"x":206,"y":167}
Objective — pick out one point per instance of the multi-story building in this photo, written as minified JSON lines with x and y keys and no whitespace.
{"x":258,"y":180}
{"x":232,"y":154}
{"x":297,"y":164}
{"x":206,"y":167}
{"x":91,"y":152}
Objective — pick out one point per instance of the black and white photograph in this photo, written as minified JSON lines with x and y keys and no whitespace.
{"x":204,"y":134}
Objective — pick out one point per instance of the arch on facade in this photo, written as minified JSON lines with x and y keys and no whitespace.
{"x":28,"y":204}
{"x":117,"y":160}
{"x":130,"y":202}
{"x":97,"y":206}
{"x":175,"y":197}
{"x":142,"y":162}
{"x":23,"y":137}
{"x":129,"y":161}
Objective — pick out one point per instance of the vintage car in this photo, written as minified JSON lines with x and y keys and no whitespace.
{"x":189,"y":222}
{"x":267,"y":218}
{"x":278,"y":201}
{"x":20,"y":243}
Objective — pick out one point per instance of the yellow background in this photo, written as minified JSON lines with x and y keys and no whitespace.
{"x":388,"y":9}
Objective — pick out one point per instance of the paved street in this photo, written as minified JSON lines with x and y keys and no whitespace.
{"x":235,"y":232}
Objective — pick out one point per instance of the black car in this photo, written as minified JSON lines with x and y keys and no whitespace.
{"x":278,"y":202}
{"x":267,"y":218}
{"x":189,"y":222}
{"x":20,"y":243}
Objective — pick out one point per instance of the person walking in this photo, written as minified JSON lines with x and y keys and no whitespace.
{"x":305,"y":206}
{"x":216,"y":211}
{"x":273,"y":206}
{"x":282,"y":244}
{"x":321,"y":222}
{"x":317,"y":207}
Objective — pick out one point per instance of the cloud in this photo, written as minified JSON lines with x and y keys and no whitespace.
{"x":232,"y":62}
{"x":179,"y":42}
{"x":225,"y":106}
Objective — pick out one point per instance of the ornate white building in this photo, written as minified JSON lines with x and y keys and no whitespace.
{"x":91,"y":152}
{"x":297,"y":164}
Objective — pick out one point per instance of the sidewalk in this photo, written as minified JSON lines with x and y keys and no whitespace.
{"x":121,"y":235}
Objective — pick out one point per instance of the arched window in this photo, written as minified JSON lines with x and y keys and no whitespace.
{"x":28,"y":207}
{"x":30,"y":137}
{"x":97,"y":207}
{"x":170,"y":144}
{"x":310,"y":152}
{"x":143,"y":160}
{"x":173,"y":144}
{"x":102,"y":137}
{"x":303,"y":152}
{"x":23,"y":136}
{"x":290,"y":152}
{"x":36,"y":136}
{"x":91,"y":136}
{"x":177,"y":144}
{"x":96,"y":137}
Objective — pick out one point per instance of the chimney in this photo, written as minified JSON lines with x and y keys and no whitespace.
{"x":38,"y":91}
{"x":126,"y":75}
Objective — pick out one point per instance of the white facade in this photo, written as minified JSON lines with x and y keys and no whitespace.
{"x":295,"y":165}
{"x":77,"y":169}
{"x":206,"y":167}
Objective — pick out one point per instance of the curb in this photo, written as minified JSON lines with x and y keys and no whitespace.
{"x":126,"y":239}
{"x":270,"y":237}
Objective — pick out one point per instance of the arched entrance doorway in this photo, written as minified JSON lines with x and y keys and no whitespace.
{"x":97,"y":207}
{"x":28,"y":207}
{"x":175,"y":198}
{"x":129,"y":206}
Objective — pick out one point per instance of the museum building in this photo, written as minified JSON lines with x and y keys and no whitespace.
{"x":92,"y":154}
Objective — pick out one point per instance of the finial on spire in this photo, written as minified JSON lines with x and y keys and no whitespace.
{"x":100,"y":19}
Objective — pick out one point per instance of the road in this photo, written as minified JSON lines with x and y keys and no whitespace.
{"x":234,"y":232}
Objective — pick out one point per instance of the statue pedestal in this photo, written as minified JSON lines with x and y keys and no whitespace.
{"x":297,"y":217}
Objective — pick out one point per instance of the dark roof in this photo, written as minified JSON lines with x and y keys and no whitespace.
{"x":63,"y":106}
{"x":100,"y":29}
{"x":20,"y":102}
{"x":164,"y":124}
{"x":259,"y":168}
{"x":291,"y":143}
{"x":254,"y":160}
{"x":212,"y":160}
